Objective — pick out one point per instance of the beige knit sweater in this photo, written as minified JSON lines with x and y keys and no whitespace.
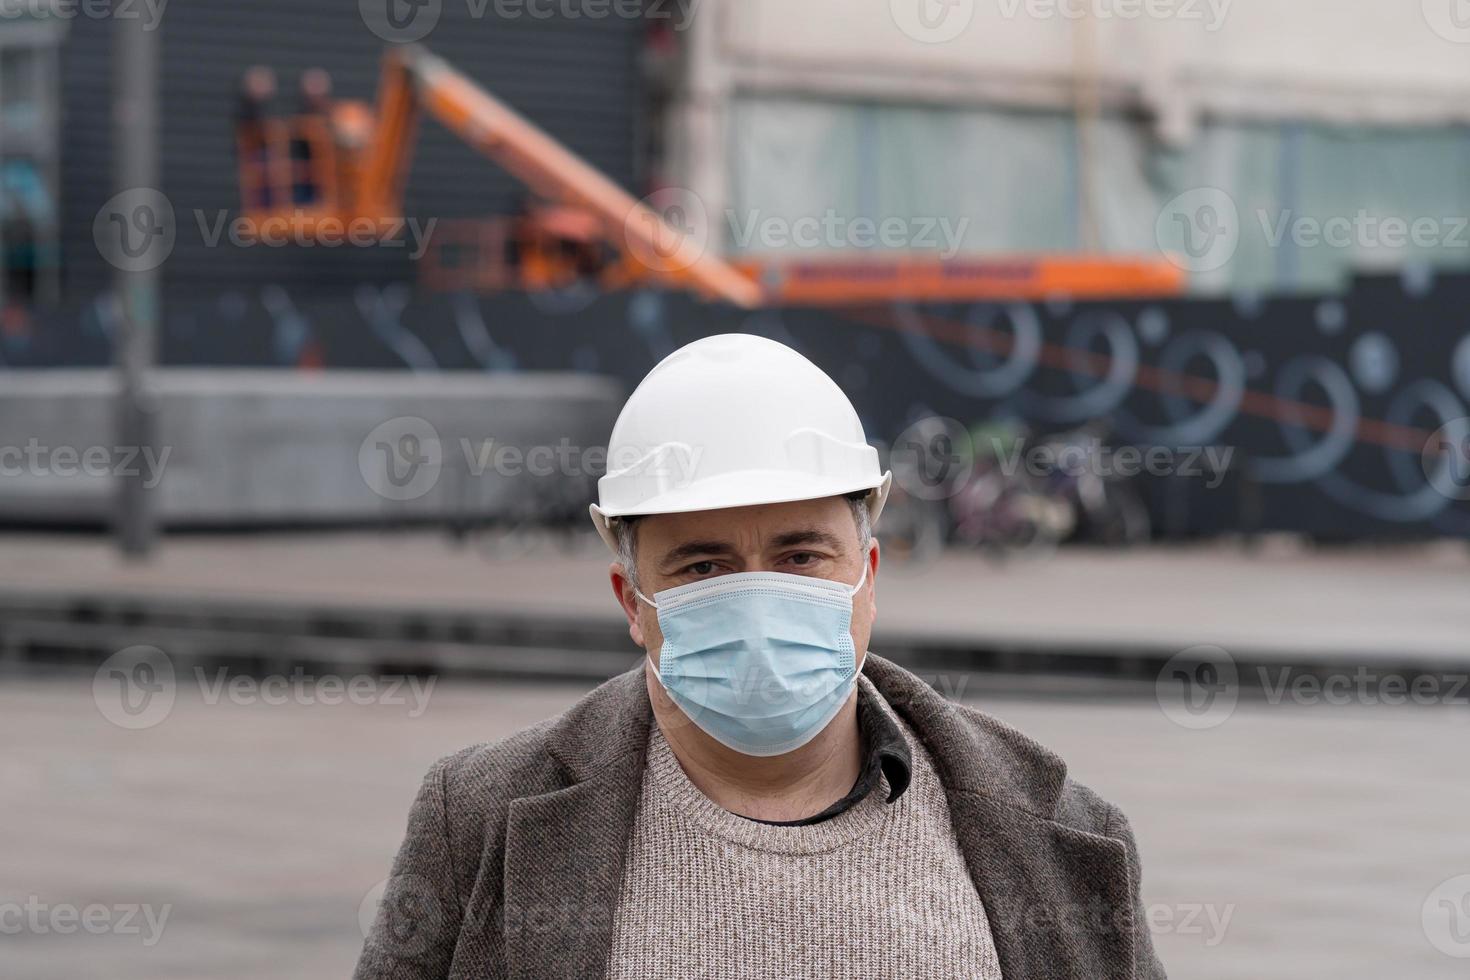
{"x":881,"y":890}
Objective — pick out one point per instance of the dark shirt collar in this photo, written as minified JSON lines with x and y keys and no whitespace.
{"x":886,"y":755}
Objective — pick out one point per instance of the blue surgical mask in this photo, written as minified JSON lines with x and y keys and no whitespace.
{"x":761,"y":661}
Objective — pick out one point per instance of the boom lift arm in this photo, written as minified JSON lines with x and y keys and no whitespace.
{"x":346,"y":163}
{"x":372,"y":180}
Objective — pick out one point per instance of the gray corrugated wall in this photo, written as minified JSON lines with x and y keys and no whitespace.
{"x":576,"y":78}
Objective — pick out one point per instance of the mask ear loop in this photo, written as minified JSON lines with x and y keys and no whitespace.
{"x":863,"y":578}
{"x":651,"y":603}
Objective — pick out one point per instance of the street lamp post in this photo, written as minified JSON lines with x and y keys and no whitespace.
{"x":135,"y":134}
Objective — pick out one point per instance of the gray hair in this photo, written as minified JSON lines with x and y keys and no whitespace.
{"x":625,"y":530}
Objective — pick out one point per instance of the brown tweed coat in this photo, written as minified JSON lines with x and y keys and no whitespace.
{"x":511,"y":863}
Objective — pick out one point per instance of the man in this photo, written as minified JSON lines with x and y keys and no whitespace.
{"x":252,"y":140}
{"x":761,"y":797}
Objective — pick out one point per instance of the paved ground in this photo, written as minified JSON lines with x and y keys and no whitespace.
{"x":261,"y":828}
{"x":1368,"y":604}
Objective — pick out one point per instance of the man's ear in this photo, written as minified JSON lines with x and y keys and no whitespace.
{"x":627,"y":598}
{"x":872,"y":559}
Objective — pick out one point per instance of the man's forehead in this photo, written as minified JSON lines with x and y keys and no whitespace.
{"x":757,"y":526}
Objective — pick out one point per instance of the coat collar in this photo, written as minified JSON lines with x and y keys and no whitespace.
{"x":972,"y":756}
{"x":610,"y":728}
{"x":1059,"y":899}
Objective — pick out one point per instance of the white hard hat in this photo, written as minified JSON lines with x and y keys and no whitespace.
{"x":729,"y":421}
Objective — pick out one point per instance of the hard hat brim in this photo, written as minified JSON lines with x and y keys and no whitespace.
{"x":742,"y":489}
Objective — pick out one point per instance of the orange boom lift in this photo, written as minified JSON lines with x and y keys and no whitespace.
{"x":338,"y":172}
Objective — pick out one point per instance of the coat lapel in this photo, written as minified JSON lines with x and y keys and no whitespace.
{"x":1059,"y":899}
{"x":564,"y":849}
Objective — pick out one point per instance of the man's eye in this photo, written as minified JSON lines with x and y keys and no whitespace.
{"x":702,"y":567}
{"x":803,"y":558}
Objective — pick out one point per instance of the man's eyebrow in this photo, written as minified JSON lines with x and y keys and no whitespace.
{"x":808,"y":535}
{"x":691,"y":549}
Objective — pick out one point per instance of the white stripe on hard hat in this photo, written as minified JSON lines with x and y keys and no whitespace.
{"x":730,"y":421}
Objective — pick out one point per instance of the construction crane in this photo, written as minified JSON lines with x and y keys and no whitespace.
{"x":342,"y":165}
